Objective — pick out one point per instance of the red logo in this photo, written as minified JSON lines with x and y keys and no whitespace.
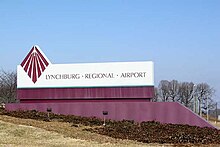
{"x":34,"y":64}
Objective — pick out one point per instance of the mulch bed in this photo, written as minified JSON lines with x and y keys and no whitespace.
{"x":147,"y":132}
{"x":155,"y":132}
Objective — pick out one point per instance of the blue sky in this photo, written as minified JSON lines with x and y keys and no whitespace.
{"x":181,"y":37}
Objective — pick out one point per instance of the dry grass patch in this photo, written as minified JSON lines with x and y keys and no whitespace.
{"x":27,"y":132}
{"x":20,"y":135}
{"x":217,"y":124}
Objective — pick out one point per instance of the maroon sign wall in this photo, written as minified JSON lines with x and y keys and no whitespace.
{"x":164,"y":112}
{"x":86,"y":93}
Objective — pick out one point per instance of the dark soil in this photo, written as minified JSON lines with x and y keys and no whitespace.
{"x":155,"y":132}
{"x":33,"y":114}
{"x":147,"y":132}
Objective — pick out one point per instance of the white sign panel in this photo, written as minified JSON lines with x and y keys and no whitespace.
{"x":37,"y":72}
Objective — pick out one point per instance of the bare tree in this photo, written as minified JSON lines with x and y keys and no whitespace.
{"x":204,"y":94}
{"x":164,"y":90}
{"x":173,"y":88}
{"x":8,"y":84}
{"x":156,"y":95}
{"x":185,"y":94}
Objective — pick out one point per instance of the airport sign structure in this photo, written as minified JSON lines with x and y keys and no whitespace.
{"x":82,"y":81}
{"x":123,"y":90}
